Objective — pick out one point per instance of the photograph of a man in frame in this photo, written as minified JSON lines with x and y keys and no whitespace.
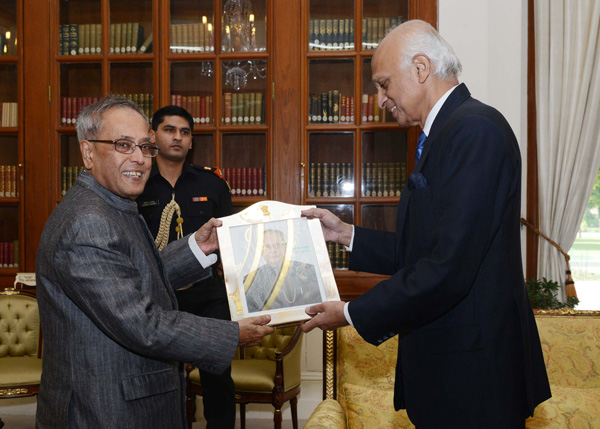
{"x":285,"y":276}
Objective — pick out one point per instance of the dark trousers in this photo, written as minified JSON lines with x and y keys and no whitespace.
{"x":208,"y":299}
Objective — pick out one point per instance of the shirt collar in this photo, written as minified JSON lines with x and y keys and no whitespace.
{"x":435,"y":110}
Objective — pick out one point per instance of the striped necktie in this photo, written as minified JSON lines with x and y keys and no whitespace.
{"x":420,"y":144}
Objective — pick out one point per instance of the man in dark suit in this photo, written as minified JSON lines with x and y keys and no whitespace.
{"x":113,"y":338}
{"x":469,"y":353}
{"x":280,"y":283}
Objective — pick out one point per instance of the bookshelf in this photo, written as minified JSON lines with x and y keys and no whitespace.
{"x":356,"y":158}
{"x":264,"y":74}
{"x":11,"y":141}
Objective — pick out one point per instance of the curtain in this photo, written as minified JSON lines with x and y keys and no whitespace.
{"x":567,"y":67}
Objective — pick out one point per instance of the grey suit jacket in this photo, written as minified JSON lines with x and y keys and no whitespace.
{"x":113,"y":340}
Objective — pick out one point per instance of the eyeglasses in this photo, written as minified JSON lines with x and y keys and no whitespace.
{"x":127,"y":146}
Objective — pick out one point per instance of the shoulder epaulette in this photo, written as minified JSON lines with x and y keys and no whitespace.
{"x":214,"y":170}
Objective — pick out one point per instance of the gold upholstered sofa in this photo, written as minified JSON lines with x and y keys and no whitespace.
{"x":359,"y":377}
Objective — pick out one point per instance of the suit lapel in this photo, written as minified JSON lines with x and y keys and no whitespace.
{"x":456,"y":98}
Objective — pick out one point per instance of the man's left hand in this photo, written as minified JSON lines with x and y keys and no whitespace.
{"x":206,"y":236}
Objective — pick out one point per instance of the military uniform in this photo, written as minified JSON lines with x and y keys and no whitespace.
{"x":201,"y":194}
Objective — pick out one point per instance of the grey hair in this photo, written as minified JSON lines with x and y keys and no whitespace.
{"x":426,"y":40}
{"x":90,"y":119}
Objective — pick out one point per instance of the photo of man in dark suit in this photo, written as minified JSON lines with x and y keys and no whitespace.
{"x":114,"y":341}
{"x":469,"y":353}
{"x":280,"y":282}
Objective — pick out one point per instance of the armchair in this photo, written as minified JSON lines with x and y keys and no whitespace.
{"x":20,"y":344}
{"x":268,"y":373}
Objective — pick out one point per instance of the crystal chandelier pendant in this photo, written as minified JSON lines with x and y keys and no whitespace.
{"x":238,"y":25}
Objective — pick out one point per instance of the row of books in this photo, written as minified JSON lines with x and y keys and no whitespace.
{"x":331,"y":34}
{"x":8,"y":181}
{"x":243,"y":108}
{"x":199,"y":106}
{"x":375,"y":29}
{"x":331,"y":108}
{"x":331,"y":179}
{"x":86,"y":39}
{"x":9,"y":254}
{"x":383,"y":179}
{"x":338,"y":256}
{"x":8,"y":40}
{"x":80,"y":39}
{"x":128,"y":38}
{"x":246,"y":181}
{"x":9,"y":115}
{"x":145,"y":101}
{"x":68,"y":178}
{"x":70,"y":108}
{"x":371,"y":112}
{"x":192,"y":38}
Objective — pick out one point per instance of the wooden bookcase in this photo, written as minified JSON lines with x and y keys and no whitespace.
{"x":11,"y":139}
{"x":279,"y":64}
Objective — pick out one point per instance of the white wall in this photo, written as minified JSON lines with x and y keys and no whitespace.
{"x":490,"y":38}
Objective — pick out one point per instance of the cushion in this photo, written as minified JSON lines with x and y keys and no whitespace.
{"x":571,"y":350}
{"x":20,"y":371}
{"x":19,"y":326}
{"x":373,"y":408}
{"x":363,"y":364}
{"x":569,"y":408}
{"x":328,"y":415}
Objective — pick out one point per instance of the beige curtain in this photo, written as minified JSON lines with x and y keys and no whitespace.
{"x":567,"y":67}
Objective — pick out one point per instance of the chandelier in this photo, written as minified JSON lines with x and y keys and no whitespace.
{"x":238,"y":72}
{"x":238,"y":26}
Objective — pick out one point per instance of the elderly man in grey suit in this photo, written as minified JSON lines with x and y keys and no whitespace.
{"x":113,"y":338}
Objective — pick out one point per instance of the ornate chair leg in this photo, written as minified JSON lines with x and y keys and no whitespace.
{"x":293,"y":406}
{"x":190,"y":408}
{"x":242,"y":416}
{"x":277,"y":418}
{"x":1,"y":423}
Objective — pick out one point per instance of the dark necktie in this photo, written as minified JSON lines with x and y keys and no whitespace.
{"x":420,"y":144}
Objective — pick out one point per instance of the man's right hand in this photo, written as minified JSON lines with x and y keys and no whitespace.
{"x":333,"y":228}
{"x":252,"y":329}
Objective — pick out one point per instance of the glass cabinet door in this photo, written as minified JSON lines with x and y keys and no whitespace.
{"x":203,"y":150}
{"x":192,"y":87}
{"x":331,"y":25}
{"x":331,"y":91}
{"x":10,"y":142}
{"x":130,"y":27}
{"x":80,"y":85}
{"x":244,"y":26}
{"x":244,"y":90}
{"x":244,"y":163}
{"x":331,"y":165}
{"x":383,"y":163}
{"x":80,"y":27}
{"x":191,"y":29}
{"x":134,"y":81}
{"x":8,"y":28}
{"x":378,"y":17}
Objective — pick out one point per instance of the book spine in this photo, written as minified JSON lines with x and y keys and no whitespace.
{"x":73,"y":39}
{"x":336,"y":106}
{"x":3,"y":182}
{"x":365,"y":108}
{"x":319,"y":180}
{"x":370,"y":110}
{"x":13,"y":181}
{"x":83,"y":39}
{"x":246,"y":108}
{"x":65,"y":39}
{"x":312,"y":174}
{"x":259,"y":118}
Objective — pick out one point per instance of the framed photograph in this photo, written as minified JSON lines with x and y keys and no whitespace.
{"x":275,"y":262}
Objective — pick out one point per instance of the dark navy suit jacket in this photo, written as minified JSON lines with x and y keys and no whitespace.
{"x":469,"y":352}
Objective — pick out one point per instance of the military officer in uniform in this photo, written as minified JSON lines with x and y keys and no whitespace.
{"x":178,"y":198}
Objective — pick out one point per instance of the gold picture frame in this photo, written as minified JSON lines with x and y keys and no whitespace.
{"x":275,"y":262}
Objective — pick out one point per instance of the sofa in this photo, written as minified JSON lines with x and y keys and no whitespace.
{"x":358,"y":377}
